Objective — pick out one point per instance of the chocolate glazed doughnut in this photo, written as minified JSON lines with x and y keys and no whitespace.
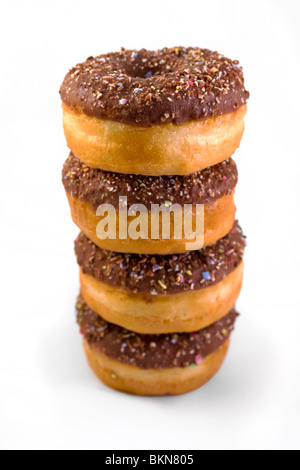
{"x":153,"y":364}
{"x":162,"y":294}
{"x":88,"y":188}
{"x":168,"y":112}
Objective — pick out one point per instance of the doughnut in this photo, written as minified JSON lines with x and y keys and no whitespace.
{"x":153,"y":364}
{"x":174,"y":111}
{"x":213,"y":187}
{"x":162,"y":294}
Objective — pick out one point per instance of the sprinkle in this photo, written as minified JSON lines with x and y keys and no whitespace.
{"x":156,"y":267}
{"x":174,"y":339}
{"x":162,"y":285}
{"x":133,"y":55}
{"x":190,"y":83}
{"x":189,"y":272}
{"x":113,"y":376}
{"x":136,"y":90}
{"x":123,"y":101}
{"x":224,"y":332}
{"x":142,"y":185}
{"x":198,"y":359}
{"x":149,"y":75}
{"x":179,"y":279}
{"x":206,"y":275}
{"x":192,"y":366}
{"x":168,"y":203}
{"x":224,"y":178}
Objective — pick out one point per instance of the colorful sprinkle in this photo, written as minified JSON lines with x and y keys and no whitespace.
{"x":162,"y":285}
{"x":206,"y":275}
{"x":179,"y":279}
{"x":156,"y":267}
{"x":174,"y":339}
{"x":198,"y":359}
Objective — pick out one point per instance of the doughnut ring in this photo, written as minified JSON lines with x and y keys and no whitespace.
{"x":168,"y":112}
{"x":153,"y":365}
{"x":162,"y":294}
{"x":87,"y":189}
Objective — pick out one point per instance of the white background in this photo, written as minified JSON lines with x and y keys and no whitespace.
{"x":49,"y":399}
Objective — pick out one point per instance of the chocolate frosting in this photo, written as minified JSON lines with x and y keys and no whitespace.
{"x":152,"y":351}
{"x":162,"y":275}
{"x":144,"y":87}
{"x":102,"y":187}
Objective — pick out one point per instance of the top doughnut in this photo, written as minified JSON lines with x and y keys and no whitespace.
{"x":168,"y":112}
{"x":144,"y":87}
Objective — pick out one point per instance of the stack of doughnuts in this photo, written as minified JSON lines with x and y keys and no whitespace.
{"x":157,"y":128}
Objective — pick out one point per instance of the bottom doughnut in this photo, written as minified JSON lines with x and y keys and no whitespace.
{"x":152,"y":382}
{"x":153,"y":365}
